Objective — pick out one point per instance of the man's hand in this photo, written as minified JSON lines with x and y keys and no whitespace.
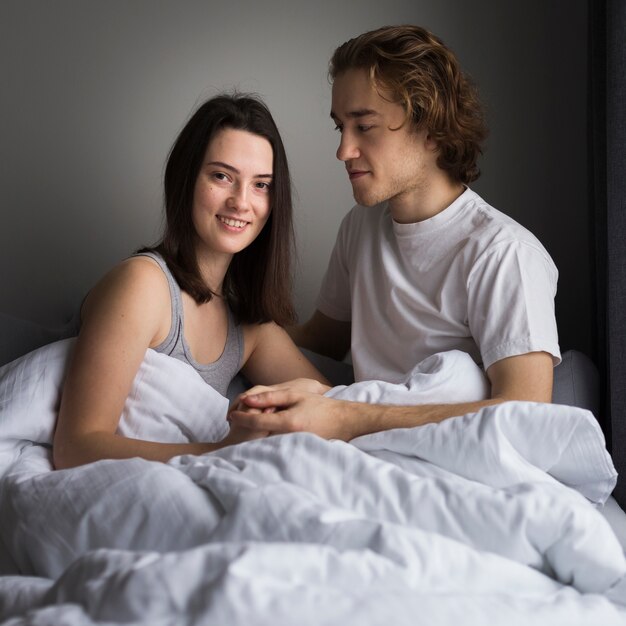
{"x":305,"y":385}
{"x":286,"y":408}
{"x":290,"y":409}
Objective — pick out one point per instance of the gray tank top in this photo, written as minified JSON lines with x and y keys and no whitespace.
{"x":217,"y":374}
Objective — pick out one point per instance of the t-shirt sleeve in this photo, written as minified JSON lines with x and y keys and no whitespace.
{"x":334,"y":299}
{"x":511,"y":292}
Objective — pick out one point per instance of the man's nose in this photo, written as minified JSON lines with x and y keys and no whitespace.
{"x":348,"y":148}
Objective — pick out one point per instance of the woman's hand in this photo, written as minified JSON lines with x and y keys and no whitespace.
{"x":239,"y":434}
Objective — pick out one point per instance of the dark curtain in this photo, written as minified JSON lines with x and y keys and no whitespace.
{"x":607,"y":65}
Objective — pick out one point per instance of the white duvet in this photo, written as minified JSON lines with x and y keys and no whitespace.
{"x":484,"y":518}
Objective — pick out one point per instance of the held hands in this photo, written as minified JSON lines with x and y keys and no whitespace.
{"x":239,"y":433}
{"x":294,"y":406}
{"x":305,"y":385}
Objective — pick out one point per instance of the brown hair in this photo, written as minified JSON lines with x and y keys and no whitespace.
{"x":420,"y":72}
{"x":258,"y":283}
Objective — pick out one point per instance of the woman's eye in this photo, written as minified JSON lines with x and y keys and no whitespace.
{"x":263,"y":186}
{"x":220,"y":176}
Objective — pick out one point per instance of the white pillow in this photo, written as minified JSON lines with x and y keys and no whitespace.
{"x":168,"y":401}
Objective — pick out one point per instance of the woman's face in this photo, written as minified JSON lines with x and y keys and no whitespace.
{"x":231,"y":200}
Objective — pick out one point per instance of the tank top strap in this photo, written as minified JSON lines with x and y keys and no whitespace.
{"x":217,"y":374}
{"x":175,"y":334}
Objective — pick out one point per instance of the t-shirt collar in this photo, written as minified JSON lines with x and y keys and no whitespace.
{"x":437,"y":221}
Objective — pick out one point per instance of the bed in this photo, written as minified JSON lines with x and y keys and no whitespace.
{"x":502,"y":516}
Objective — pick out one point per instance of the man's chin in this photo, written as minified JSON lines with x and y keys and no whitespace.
{"x":362,"y":197}
{"x":366,"y":199}
{"x":369,"y":194}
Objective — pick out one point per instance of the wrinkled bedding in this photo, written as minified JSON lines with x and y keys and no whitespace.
{"x":488,"y":517}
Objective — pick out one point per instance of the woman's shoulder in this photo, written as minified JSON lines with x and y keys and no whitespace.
{"x":130,"y":301}
{"x":138,"y":279}
{"x":138,"y":272}
{"x":141,"y":267}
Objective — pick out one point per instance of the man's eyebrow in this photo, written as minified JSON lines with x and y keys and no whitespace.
{"x":233,"y":169}
{"x":356,"y":114}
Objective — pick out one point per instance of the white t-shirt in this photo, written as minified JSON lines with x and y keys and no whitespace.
{"x":470,"y":278}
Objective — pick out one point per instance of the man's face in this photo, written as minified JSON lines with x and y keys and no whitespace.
{"x":382,"y":164}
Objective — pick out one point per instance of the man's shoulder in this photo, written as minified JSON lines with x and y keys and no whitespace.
{"x":492,"y":227}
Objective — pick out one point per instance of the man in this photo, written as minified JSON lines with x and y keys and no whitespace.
{"x":422,"y":264}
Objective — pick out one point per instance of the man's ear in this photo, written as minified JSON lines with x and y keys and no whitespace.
{"x":430,"y":143}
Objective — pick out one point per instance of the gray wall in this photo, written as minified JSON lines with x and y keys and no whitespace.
{"x":93,"y":94}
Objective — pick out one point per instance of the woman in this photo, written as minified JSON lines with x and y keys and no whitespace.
{"x":214,"y":292}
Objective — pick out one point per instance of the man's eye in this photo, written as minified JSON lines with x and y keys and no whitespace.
{"x":363,"y":128}
{"x":339,"y":127}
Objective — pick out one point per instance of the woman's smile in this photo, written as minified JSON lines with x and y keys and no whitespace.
{"x":232,"y":223}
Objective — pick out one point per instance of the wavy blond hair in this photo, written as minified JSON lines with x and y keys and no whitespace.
{"x":411,"y":66}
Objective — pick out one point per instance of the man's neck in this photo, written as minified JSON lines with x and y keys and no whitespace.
{"x":426,"y":200}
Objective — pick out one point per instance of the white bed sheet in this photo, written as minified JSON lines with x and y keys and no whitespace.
{"x":616,"y":517}
{"x":489,"y":517}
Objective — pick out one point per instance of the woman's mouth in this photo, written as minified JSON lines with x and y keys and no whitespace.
{"x":232,"y":222}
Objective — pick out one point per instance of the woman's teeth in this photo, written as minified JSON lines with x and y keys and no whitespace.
{"x":231,"y":222}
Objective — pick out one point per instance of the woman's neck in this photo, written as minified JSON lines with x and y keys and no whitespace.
{"x":213,"y":268}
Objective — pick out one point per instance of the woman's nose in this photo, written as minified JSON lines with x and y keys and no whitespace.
{"x":239,"y":198}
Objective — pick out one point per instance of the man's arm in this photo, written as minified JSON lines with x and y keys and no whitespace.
{"x":323,"y":335}
{"x":525,"y":377}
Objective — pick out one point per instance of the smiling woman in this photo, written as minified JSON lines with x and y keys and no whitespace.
{"x":258,"y":279}
{"x":231,"y":201}
{"x":214,"y":292}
